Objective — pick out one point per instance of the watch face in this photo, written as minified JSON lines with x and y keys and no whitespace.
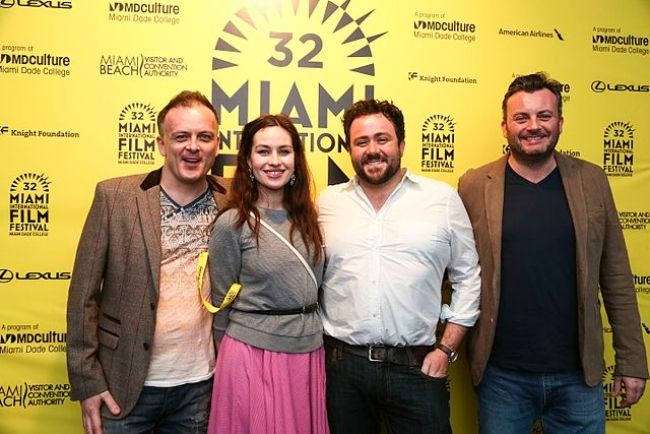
{"x":453,"y":356}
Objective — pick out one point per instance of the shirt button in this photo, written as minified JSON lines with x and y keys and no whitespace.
{"x":152,"y":306}
{"x":145,"y":346}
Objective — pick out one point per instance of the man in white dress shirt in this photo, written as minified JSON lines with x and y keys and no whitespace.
{"x":390,"y":237}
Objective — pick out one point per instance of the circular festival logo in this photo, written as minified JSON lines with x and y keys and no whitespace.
{"x":438,"y":138}
{"x":29,"y":205}
{"x":307,"y":59}
{"x":618,"y":149}
{"x":136,"y":130}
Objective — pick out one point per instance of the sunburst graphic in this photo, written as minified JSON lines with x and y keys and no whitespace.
{"x":22,"y":182}
{"x":437,"y":123}
{"x":278,"y":22}
{"x":614,"y":130}
{"x":146,"y":109}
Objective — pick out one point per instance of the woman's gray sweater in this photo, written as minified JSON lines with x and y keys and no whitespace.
{"x":272,"y":278}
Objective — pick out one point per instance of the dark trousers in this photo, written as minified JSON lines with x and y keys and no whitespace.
{"x":360,"y":393}
{"x":180,"y":409}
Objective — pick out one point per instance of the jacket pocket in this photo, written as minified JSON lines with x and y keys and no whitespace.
{"x":108,"y":331}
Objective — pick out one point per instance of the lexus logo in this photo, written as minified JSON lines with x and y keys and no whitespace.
{"x":6,"y":275}
{"x":598,"y":86}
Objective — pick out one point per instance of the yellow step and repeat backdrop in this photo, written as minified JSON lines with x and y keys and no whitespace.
{"x":82,"y":81}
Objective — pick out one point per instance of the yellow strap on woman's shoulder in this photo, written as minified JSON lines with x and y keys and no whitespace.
{"x":230,"y":295}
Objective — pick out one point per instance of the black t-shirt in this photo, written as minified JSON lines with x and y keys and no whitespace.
{"x":537,"y":327}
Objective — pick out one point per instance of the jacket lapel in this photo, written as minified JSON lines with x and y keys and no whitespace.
{"x":493,"y":202}
{"x":572,"y":183}
{"x":148,"y":202}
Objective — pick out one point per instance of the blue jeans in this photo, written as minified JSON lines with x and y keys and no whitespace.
{"x":179,"y":409}
{"x":360,"y":393}
{"x":510,"y":402}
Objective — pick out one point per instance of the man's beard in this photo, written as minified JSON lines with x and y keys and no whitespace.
{"x":391,"y":169}
{"x":520,"y":153}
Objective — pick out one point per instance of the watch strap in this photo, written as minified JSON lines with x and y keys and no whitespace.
{"x":452,"y":355}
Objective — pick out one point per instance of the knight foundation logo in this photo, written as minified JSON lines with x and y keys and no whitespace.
{"x":438,"y":138}
{"x":29,"y":205}
{"x":618,"y":149}
{"x":613,"y":412}
{"x":136,"y":143}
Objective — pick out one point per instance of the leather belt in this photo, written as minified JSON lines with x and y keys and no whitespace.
{"x":406,"y":356}
{"x":298,"y":310}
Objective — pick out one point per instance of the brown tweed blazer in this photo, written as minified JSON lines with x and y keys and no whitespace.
{"x":601,"y":264}
{"x":114,"y":289}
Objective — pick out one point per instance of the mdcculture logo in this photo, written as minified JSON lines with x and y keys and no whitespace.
{"x":616,"y":40}
{"x":16,"y":59}
{"x":642,"y":285}
{"x":437,"y":26}
{"x":29,"y":205}
{"x":27,"y":339}
{"x":618,"y":149}
{"x":138,"y":12}
{"x":308,"y":59}
{"x":438,"y":138}
{"x":136,"y":130}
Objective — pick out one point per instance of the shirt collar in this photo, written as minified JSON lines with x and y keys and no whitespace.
{"x":408,"y":175}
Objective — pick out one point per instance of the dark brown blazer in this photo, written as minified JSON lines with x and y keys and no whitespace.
{"x":114,"y":289}
{"x":601,"y":263}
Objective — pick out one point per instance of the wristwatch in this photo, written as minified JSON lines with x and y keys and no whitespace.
{"x":452,"y":355}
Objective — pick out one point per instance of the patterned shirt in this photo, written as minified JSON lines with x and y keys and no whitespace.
{"x":183,"y":350}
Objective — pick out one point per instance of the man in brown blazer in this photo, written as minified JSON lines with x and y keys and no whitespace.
{"x":549,"y":241}
{"x":140,"y":352}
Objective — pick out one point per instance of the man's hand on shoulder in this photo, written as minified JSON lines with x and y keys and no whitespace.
{"x":91,"y":411}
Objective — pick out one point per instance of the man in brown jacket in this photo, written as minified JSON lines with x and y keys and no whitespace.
{"x":140,"y":351}
{"x":549,"y":240}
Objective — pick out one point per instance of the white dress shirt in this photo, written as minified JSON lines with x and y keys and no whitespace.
{"x":382,"y":284}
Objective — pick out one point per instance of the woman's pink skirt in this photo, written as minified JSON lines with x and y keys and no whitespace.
{"x":259,"y":391}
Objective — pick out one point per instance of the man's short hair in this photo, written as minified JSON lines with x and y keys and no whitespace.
{"x":186,"y":98}
{"x":373,"y":106}
{"x":531,"y":83}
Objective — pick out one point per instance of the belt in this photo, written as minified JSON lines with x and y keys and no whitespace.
{"x":295,"y":311}
{"x":406,"y":356}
